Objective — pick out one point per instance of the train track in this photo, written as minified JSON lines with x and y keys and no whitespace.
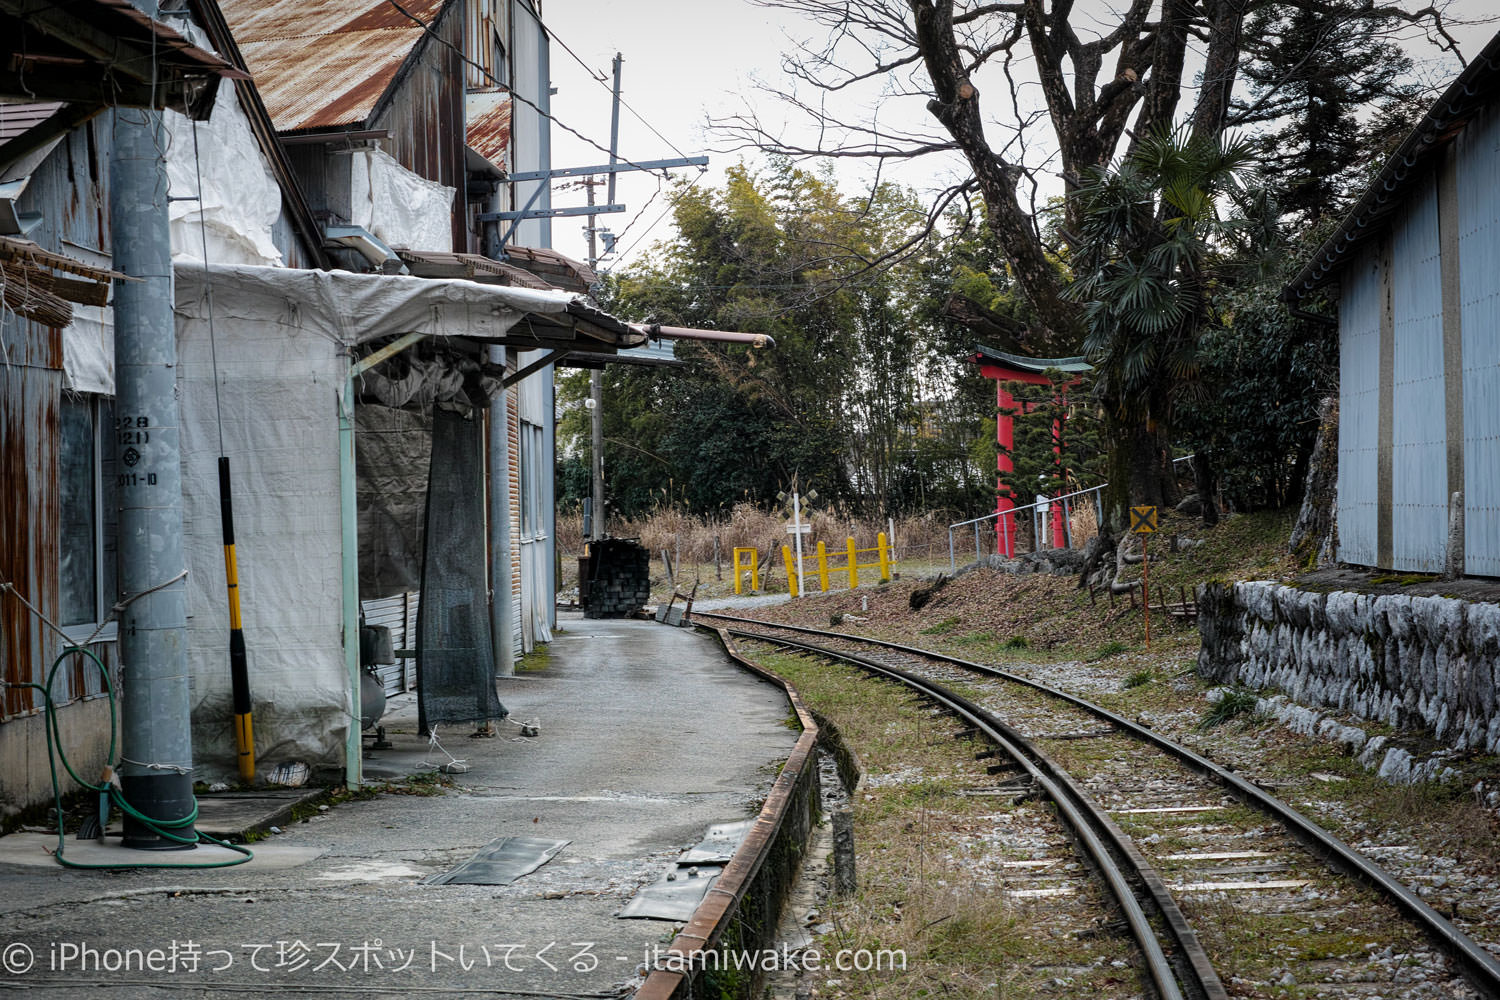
{"x":1139,"y":817}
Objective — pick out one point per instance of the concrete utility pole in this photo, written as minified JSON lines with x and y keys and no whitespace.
{"x":596,"y":403}
{"x":156,"y":769}
{"x":596,"y":378}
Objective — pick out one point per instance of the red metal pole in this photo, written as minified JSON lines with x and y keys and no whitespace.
{"x":1059,"y":535}
{"x":1005,"y":522}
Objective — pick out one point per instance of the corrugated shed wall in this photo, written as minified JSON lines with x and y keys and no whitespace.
{"x":1479,"y":277}
{"x":1359,"y":408}
{"x":1419,"y":481}
{"x":513,"y":432}
{"x":425,"y":114}
{"x":70,"y":191}
{"x":399,"y":614}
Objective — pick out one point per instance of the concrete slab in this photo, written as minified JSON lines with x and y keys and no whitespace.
{"x":238,"y":814}
{"x":649,"y":736}
{"x":37,"y":849}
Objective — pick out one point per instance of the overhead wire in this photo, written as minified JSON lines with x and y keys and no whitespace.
{"x":514,"y":95}
{"x":676,"y":199}
{"x":602,"y":78}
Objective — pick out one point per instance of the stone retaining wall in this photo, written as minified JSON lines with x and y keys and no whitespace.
{"x":1430,"y":663}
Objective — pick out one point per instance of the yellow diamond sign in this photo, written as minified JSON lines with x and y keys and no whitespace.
{"x":1143,"y":520}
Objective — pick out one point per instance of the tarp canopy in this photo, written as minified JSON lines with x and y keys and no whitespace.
{"x":264,"y":376}
{"x":353,"y":309}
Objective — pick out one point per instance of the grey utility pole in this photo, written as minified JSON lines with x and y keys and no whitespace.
{"x":156,"y":769}
{"x":596,"y":378}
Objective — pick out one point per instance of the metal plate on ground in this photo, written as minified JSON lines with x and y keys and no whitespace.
{"x":502,"y":861}
{"x":675,"y":898}
{"x":718,"y":844}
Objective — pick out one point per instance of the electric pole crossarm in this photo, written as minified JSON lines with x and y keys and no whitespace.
{"x":551,"y":213}
{"x":609,"y":168}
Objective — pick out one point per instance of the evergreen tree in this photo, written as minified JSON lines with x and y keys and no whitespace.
{"x":1313,"y":69}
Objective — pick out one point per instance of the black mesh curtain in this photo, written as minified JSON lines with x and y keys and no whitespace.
{"x":455,"y":659}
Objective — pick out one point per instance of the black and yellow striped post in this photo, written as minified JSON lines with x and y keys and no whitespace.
{"x":239,"y":673}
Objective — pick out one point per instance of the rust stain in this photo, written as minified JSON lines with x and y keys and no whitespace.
{"x":385,"y":15}
{"x":489,"y":134}
{"x":352,"y":105}
{"x":316,"y":66}
{"x":25,"y":413}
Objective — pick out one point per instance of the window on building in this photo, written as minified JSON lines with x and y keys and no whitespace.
{"x":87,"y":568}
{"x":499,"y":63}
{"x":528,"y":482}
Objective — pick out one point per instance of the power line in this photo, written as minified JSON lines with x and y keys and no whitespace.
{"x":670,"y":205}
{"x":600,"y":77}
{"x":515,"y":96}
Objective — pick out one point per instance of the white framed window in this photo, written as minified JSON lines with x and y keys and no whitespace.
{"x":528,"y":481}
{"x":88,"y":577}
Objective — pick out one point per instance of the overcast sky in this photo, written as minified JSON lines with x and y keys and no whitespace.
{"x":687,"y":60}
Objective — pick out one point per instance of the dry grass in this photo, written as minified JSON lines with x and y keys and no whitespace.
{"x":1083,"y":520}
{"x":690,"y":542}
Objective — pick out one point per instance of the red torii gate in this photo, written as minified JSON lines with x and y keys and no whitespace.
{"x":1004,"y":368}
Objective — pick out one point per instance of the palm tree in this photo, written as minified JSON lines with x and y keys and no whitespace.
{"x":1158,"y":231}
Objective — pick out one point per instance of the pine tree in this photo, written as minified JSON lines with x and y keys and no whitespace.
{"x":1314,"y":67}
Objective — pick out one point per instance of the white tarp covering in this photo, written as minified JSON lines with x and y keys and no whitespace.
{"x":240,"y":200}
{"x":89,"y":350}
{"x":400,"y":207}
{"x":281,"y":340}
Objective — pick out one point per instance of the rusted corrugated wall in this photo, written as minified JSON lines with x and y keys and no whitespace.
{"x":70,"y":192}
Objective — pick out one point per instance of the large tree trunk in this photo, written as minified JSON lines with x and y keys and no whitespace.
{"x":1205,"y":479}
{"x":1314,"y":540}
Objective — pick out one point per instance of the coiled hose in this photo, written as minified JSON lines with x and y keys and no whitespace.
{"x":167,"y":829}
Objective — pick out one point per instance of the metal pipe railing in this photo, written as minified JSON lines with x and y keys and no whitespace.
{"x":1003,"y":526}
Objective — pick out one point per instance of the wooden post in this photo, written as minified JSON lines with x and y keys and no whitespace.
{"x":718,"y":569}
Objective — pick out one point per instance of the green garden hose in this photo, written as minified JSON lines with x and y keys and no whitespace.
{"x":167,"y":829}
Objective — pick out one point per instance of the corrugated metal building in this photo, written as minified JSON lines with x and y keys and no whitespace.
{"x":57,"y":539}
{"x":1413,"y":269}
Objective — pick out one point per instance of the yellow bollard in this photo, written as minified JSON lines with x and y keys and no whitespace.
{"x":746,"y":560}
{"x":853,"y":564}
{"x":792,"y":583}
{"x":885,"y":559}
{"x":822,"y":568}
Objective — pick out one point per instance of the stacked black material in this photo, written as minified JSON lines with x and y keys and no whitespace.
{"x":614,"y":578}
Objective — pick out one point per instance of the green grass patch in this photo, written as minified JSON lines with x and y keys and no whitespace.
{"x":1237,"y":703}
{"x":946,"y":625}
{"x":1113,"y":647}
{"x":1139,"y":679}
{"x":1016,"y":642}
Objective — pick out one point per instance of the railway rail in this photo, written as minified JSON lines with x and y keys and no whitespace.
{"x":1118,"y":815}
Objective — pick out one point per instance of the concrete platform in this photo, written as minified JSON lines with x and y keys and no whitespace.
{"x":648,"y":736}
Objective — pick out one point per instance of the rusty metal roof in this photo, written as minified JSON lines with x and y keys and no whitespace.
{"x":559,"y":269}
{"x":325,"y":63}
{"x":18,"y":118}
{"x":469,"y":266}
{"x":488,"y":131}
